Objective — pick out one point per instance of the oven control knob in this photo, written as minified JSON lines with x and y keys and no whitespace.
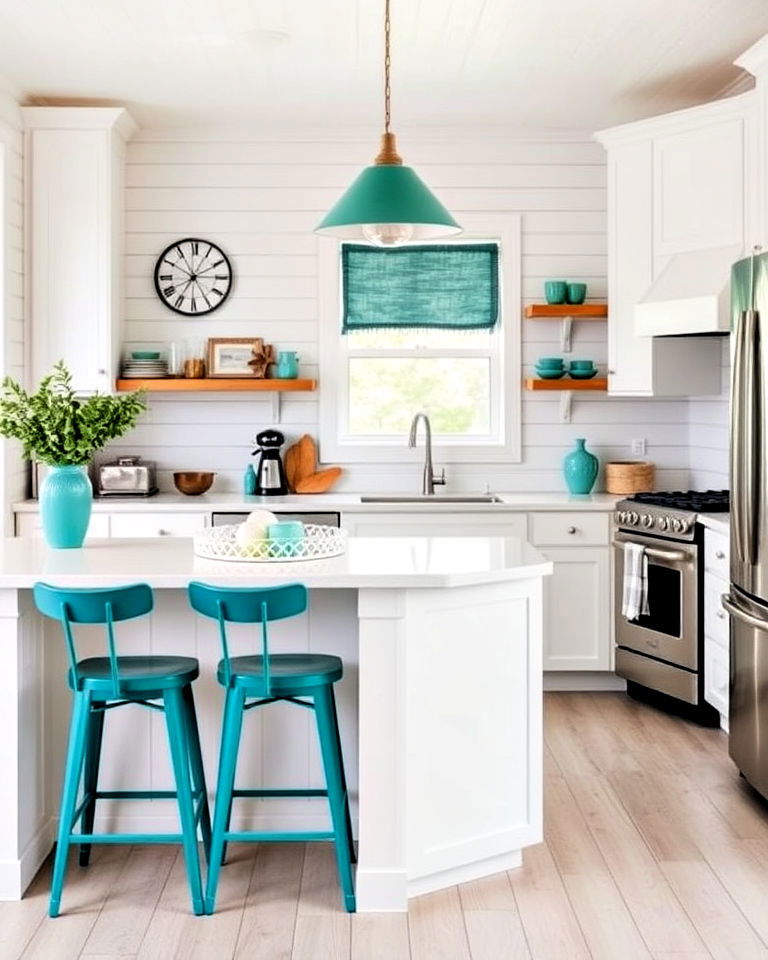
{"x":633,"y":518}
{"x":685,"y":526}
{"x":647,"y":520}
{"x":621,"y":516}
{"x":662,"y":523}
{"x":678,"y":525}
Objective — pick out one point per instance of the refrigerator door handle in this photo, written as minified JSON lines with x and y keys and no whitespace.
{"x":736,"y":611}
{"x":747,"y":439}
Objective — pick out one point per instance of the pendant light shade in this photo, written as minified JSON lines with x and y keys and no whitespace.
{"x":385,"y":201}
{"x":388,"y":204}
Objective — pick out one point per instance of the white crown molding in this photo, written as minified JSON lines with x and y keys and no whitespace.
{"x":116,"y":119}
{"x":755,"y":59}
{"x":728,"y":108}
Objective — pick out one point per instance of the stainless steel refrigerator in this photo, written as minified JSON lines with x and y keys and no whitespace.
{"x":747,"y":602}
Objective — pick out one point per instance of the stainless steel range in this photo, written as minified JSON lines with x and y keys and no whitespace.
{"x":661,"y":652}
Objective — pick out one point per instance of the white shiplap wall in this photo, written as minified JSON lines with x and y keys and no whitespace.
{"x":14,"y":476}
{"x":260,"y":199}
{"x":708,"y":434}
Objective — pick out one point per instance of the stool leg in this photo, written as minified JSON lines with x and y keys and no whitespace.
{"x":230,"y":742}
{"x":91,"y":775}
{"x":350,"y":839}
{"x":337,"y":795}
{"x":196,"y":763}
{"x":177,"y":738}
{"x":72,"y":771}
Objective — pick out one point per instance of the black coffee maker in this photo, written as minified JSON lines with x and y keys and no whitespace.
{"x":270,"y":474}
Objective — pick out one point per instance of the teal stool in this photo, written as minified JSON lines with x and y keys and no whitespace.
{"x":102,"y":683}
{"x":269,"y":678}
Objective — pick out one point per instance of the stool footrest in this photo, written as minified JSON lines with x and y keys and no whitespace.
{"x":125,"y":838}
{"x":280,"y":793}
{"x":267,"y":836}
{"x":135,"y":795}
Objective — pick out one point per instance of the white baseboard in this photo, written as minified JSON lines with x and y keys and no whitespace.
{"x":16,"y":875}
{"x":586,"y":681}
{"x":465,"y":873}
{"x":381,"y":891}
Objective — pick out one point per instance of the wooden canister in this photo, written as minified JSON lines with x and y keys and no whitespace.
{"x":629,"y":476}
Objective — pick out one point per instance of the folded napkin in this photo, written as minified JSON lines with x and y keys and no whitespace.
{"x":634,"y":600}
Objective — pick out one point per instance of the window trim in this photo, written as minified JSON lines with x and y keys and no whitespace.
{"x":502,"y":228}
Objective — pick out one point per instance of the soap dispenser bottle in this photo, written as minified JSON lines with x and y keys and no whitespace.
{"x":249,"y":481}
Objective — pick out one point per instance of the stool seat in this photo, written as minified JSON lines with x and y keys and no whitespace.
{"x":137,"y":674}
{"x":289,"y":672}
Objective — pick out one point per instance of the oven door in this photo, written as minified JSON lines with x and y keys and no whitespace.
{"x":670,"y":630}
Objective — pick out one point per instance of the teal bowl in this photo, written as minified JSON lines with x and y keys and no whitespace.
{"x":582,"y":364}
{"x":582,"y":374}
{"x":550,"y":363}
{"x":550,"y":374}
{"x":146,"y":355}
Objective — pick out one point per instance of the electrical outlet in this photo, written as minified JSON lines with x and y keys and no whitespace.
{"x":639,"y":447}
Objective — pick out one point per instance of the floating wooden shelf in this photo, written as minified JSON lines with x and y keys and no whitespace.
{"x":549,"y":311}
{"x":566,"y":383}
{"x":182,"y":385}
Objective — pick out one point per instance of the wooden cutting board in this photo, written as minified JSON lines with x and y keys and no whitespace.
{"x":301,"y":470}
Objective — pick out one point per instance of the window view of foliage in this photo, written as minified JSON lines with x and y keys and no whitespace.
{"x":385,"y":392}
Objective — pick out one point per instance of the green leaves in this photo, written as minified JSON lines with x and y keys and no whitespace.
{"x":58,"y":427}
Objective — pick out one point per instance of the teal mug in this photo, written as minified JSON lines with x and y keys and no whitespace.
{"x":576,"y":292}
{"x":287,"y":365}
{"x":285,"y":537}
{"x":555,"y":291}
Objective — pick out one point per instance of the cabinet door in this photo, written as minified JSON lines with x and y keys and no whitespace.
{"x":434,"y":524}
{"x":699,"y":188}
{"x":630,"y":266}
{"x":716,"y":678}
{"x":577,"y":604}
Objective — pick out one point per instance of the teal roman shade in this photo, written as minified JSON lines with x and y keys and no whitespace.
{"x":447,"y":286}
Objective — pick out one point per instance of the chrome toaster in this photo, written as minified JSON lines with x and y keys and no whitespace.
{"x":126,"y":477}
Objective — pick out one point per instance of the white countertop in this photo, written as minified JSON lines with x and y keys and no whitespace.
{"x":394,"y":562}
{"x":337,"y":503}
{"x":721,"y":522}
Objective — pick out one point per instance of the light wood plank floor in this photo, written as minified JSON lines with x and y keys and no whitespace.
{"x":654,"y":849}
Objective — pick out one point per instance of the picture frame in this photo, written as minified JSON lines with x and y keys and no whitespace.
{"x":238,"y":357}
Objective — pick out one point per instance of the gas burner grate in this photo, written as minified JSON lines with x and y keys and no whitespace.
{"x":697,"y":501}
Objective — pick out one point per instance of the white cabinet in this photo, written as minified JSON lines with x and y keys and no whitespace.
{"x":577,"y":597}
{"x":29,"y":525}
{"x":716,"y":626}
{"x":677,"y":184}
{"x":157,"y":524}
{"x":75,"y":158}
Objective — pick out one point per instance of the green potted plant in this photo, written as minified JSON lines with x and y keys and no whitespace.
{"x":63,"y":430}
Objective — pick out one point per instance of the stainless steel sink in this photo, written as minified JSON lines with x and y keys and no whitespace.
{"x":435,"y":499}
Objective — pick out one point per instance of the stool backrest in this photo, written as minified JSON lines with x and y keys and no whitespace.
{"x":104,"y":605}
{"x":248,"y":605}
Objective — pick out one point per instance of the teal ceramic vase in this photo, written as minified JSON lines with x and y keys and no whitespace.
{"x":66,"y":498}
{"x":287,"y":365}
{"x":580,"y":469}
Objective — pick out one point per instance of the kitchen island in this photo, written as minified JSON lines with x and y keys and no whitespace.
{"x":440,"y":705}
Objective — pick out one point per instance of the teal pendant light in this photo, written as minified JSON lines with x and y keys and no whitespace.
{"x":388,"y":204}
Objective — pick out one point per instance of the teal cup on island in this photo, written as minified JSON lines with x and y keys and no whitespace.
{"x":576,"y":292}
{"x":555,"y":291}
{"x":285,"y":537}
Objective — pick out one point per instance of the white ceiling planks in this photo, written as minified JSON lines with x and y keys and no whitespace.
{"x":535,"y":63}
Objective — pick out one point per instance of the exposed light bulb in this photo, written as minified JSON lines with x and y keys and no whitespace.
{"x":388,"y":234}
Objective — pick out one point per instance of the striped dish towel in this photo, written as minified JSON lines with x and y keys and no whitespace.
{"x":634,"y":600}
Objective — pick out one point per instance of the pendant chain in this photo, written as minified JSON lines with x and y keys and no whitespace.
{"x":387,"y":65}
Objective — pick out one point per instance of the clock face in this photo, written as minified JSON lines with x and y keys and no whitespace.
{"x":193,"y":277}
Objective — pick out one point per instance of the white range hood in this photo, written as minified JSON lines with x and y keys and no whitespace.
{"x":691,"y":295}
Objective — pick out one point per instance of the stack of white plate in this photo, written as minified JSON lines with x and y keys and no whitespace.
{"x":144,"y":369}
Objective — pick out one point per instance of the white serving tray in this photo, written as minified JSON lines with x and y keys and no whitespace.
{"x":318,"y":543}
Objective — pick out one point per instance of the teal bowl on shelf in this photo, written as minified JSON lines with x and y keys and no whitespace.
{"x":582,"y":364}
{"x":145,"y":355}
{"x":550,"y":374}
{"x":582,"y":374}
{"x":555,"y":291}
{"x":550,"y":363}
{"x":576,"y":293}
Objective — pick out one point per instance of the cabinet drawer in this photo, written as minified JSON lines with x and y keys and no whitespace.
{"x":569,"y":529}
{"x":716,"y":554}
{"x":157,"y":524}
{"x":716,"y":676}
{"x":715,"y":618}
{"x":30,"y":525}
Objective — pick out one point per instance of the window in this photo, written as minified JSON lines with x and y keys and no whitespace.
{"x":373,"y":381}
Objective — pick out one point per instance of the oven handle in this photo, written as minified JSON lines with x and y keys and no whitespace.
{"x":740,"y":614}
{"x":673,"y":556}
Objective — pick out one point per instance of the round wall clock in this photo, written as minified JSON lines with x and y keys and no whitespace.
{"x":193,"y":276}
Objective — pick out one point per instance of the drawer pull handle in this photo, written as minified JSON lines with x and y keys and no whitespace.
{"x":571,"y":529}
{"x":719,"y":555}
{"x":720,"y":614}
{"x":163,"y":533}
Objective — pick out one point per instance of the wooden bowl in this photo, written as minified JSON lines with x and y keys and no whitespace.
{"x":192,"y":482}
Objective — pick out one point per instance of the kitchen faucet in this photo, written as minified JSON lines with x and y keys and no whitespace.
{"x":430,"y":480}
